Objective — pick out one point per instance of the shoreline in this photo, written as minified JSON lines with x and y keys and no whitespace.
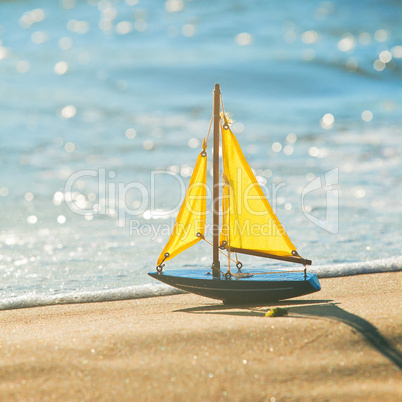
{"x":390,"y":264}
{"x":342,"y":343}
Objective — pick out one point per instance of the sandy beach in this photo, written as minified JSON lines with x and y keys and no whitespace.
{"x":342,"y":343}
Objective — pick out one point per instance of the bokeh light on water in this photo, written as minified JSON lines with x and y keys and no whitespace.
{"x":125,"y":86}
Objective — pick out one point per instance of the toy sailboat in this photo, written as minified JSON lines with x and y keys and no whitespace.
{"x":249,"y":226}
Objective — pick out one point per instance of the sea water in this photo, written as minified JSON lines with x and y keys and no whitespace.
{"x":104,"y":105}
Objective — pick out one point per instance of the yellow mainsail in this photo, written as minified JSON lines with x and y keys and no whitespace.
{"x":190,"y":222}
{"x":249,"y":223}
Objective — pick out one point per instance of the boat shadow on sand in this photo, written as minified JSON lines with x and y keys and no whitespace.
{"x":312,"y":309}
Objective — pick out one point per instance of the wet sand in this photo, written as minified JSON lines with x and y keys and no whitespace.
{"x":342,"y":343}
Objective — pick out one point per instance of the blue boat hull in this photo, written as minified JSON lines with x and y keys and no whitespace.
{"x":251,"y":289}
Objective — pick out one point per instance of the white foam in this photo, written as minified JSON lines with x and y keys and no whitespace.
{"x":151,"y":290}
{"x":126,"y":293}
{"x":358,"y":268}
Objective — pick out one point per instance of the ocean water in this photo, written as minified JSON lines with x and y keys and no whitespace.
{"x":104,"y":104}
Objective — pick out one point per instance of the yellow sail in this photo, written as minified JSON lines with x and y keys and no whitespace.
{"x":190,"y":222}
{"x":249,"y":223}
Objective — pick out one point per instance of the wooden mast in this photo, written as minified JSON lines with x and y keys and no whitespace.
{"x":215,"y":170}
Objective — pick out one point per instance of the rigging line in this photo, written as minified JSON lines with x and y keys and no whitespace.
{"x":223,"y":109}
{"x":209,"y":130}
{"x":219,"y":250}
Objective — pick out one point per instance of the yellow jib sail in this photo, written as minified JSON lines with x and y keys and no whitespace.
{"x":190,"y":222}
{"x":249,"y":223}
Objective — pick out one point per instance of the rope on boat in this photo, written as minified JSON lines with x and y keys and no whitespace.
{"x":226,"y":184}
{"x":241,"y":274}
{"x":223,"y":108}
{"x":228,"y":273}
{"x":159,"y":268}
{"x":209,"y":130}
{"x":219,"y":249}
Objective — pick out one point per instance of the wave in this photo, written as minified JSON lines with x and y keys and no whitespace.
{"x":126,"y":293}
{"x":392,"y":264}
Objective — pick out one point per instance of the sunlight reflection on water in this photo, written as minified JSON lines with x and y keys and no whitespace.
{"x":124,"y":88}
